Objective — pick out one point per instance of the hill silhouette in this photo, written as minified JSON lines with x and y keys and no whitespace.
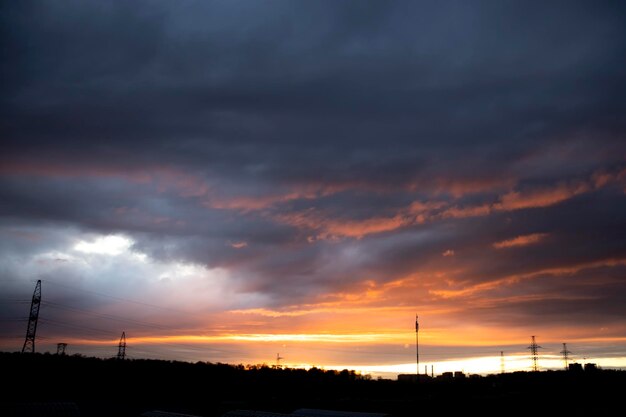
{"x":106,"y":387}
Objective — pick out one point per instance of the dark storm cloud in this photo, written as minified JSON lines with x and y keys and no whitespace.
{"x":309,"y":146}
{"x":161,"y":79}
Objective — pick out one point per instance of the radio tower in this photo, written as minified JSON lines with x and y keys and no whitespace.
{"x":565,"y":354}
{"x":533,"y":352}
{"x":501,"y":361}
{"x":121,"y":348}
{"x":417,"y":345}
{"x":29,"y":343}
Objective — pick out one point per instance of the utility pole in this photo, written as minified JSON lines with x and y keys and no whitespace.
{"x":31,"y":329}
{"x":417,"y":345}
{"x":533,"y":352}
{"x":278,"y":359}
{"x":61,"y":348}
{"x":565,"y":354}
{"x":121,"y":347}
{"x":501,"y":361}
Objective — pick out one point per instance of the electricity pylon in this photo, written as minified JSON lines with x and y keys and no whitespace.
{"x":29,"y":342}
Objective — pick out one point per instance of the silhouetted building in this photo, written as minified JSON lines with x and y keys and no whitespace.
{"x":446,"y":375}
{"x":575,"y":367}
{"x":302,"y":412}
{"x":53,"y":409}
{"x":412,"y":377}
{"x":252,"y":413}
{"x":310,"y":412}
{"x":590,"y":367}
{"x":459,"y":375}
{"x":158,"y":413}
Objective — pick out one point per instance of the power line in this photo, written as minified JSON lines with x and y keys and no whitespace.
{"x":110,"y":333}
{"x":76,"y":326}
{"x":119,"y":319}
{"x":126,"y":300}
{"x":107,"y":316}
{"x":161,"y":327}
{"x":104,"y":316}
{"x":136,"y":322}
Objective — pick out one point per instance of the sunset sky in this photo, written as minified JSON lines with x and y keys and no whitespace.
{"x":229,"y":180}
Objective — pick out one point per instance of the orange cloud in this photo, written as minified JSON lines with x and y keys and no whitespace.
{"x":416,"y":213}
{"x":162,"y":177}
{"x":463,"y":212}
{"x":459,"y":187}
{"x":360,"y":228}
{"x":520,"y":241}
{"x":338,"y":228}
{"x":542,"y":197}
{"x":246,"y":203}
{"x":420,"y":207}
{"x":513,"y":279}
{"x":187,"y":185}
{"x":420,"y":212}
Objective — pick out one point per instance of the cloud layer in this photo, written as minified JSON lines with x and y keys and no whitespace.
{"x":284,"y":167}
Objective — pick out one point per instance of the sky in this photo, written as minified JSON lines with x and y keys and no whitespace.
{"x":226,"y":181}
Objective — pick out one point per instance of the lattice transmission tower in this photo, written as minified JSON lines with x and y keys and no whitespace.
{"x":565,"y":354}
{"x":534,"y":353}
{"x":121,"y":347}
{"x":29,"y":342}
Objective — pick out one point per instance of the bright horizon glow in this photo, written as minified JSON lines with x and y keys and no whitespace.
{"x":482,"y":365}
{"x":479,"y":365}
{"x":296,"y":348}
{"x":347,"y":330}
{"x":354,"y":338}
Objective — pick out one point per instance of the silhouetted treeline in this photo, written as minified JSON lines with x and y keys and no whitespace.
{"x":104,"y":387}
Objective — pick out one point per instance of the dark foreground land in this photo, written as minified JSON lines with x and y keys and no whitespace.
{"x":128,"y":388}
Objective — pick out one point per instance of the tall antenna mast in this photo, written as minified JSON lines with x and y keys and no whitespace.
{"x":417,"y":345}
{"x":565,"y":354}
{"x":533,"y":352}
{"x":121,"y":347}
{"x":278,"y":359}
{"x":29,"y":342}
